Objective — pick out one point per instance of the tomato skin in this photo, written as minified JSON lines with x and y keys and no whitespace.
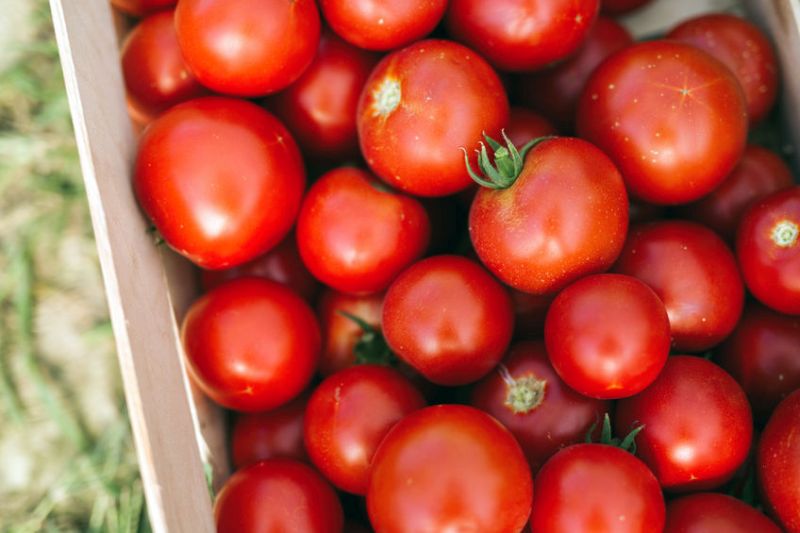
{"x":220,"y":178}
{"x":743,"y":48}
{"x":247,"y":47}
{"x":420,"y":106}
{"x":695,"y":275}
{"x":617,"y":356}
{"x":341,"y":435}
{"x":597,"y":488}
{"x":542,"y":232}
{"x":522,"y":34}
{"x":478,"y":479}
{"x":562,"y":418}
{"x":618,"y":7}
{"x":768,"y":250}
{"x":278,"y":495}
{"x":778,"y":463}
{"x":525,"y":125}
{"x":449,"y":319}
{"x":707,"y":512}
{"x":251,"y":344}
{"x":269,"y":434}
{"x":671,"y":117}
{"x":140,"y":8}
{"x":356,"y":236}
{"x":698,"y":425}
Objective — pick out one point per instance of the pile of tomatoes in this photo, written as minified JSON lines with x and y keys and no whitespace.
{"x":433,"y":310}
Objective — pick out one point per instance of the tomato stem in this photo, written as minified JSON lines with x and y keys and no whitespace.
{"x":371,"y":347}
{"x":502,"y":169}
{"x":523,"y":394}
{"x":606,"y":436}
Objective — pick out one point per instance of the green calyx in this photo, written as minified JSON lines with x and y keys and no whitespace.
{"x":606,"y":437}
{"x":371,"y":347}
{"x":502,"y":169}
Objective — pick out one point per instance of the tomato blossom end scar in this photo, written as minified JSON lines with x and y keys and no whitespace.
{"x":386,"y":97}
{"x":784,"y":233}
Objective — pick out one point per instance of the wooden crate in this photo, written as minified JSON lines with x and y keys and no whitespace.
{"x":177,"y":431}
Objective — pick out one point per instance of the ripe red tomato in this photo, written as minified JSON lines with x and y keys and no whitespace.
{"x":422,"y":105}
{"x":565,"y":216}
{"x":247,"y":47}
{"x":522,"y":34}
{"x":339,"y":333}
{"x":525,"y":125}
{"x":449,"y":468}
{"x":743,"y":48}
{"x":617,"y":7}
{"x":449,"y":319}
{"x":278,"y":495}
{"x":779,"y":463}
{"x":554,"y":92}
{"x":269,"y":434}
{"x":348,"y":416}
{"x":597,"y":488}
{"x":697,"y":424}
{"x":768,"y":250}
{"x":710,"y":512}
{"x":617,"y":356}
{"x":220,"y":178}
{"x":526,"y":395}
{"x":140,"y":8}
{"x":695,"y":275}
{"x":355,"y":235}
{"x":251,"y":344}
{"x":671,"y":117}
{"x":320,"y":107}
{"x":530,"y":311}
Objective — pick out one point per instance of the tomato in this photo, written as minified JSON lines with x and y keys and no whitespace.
{"x":779,"y":463}
{"x":563,"y":217}
{"x":743,"y":48}
{"x":695,"y":275}
{"x":356,"y":235}
{"x":597,"y":488}
{"x":382,"y":24}
{"x":339,"y":333}
{"x":759,"y":173}
{"x":526,"y":395}
{"x":697,"y":424}
{"x":278,"y":495}
{"x":522,"y":34}
{"x":420,"y":106}
{"x":220,"y":178}
{"x":673,"y":119}
{"x":247,"y":47}
{"x":269,"y":434}
{"x":251,"y":344}
{"x":448,"y":318}
{"x":140,"y":8}
{"x":525,"y":125}
{"x":320,"y":107}
{"x":530,"y":311}
{"x":347,"y":417}
{"x":617,"y":356}
{"x":554,"y":92}
{"x":156,"y":76}
{"x":617,"y":7}
{"x":449,"y":468}
{"x":768,"y":250}
{"x":708,"y":512}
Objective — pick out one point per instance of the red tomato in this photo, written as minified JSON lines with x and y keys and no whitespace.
{"x":339,"y":333}
{"x":554,"y":92}
{"x":220,"y":178}
{"x":530,"y":311}
{"x":565,"y":216}
{"x":525,"y":125}
{"x":347,"y":417}
{"x":140,"y":8}
{"x":449,"y":319}
{"x":697,"y":424}
{"x":248,"y":47}
{"x":156,"y":76}
{"x":768,"y":250}
{"x":449,"y":468}
{"x":617,"y":7}
{"x":526,"y":395}
{"x":269,"y":434}
{"x":251,"y":344}
{"x":356,"y":235}
{"x":597,"y":488}
{"x":522,"y":34}
{"x":759,"y":173}
{"x":617,"y":356}
{"x":695,"y":275}
{"x":671,"y":117}
{"x":743,"y":48}
{"x":422,"y":105}
{"x":708,"y":512}
{"x":320,"y":107}
{"x":779,"y":463}
{"x":278,"y":495}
